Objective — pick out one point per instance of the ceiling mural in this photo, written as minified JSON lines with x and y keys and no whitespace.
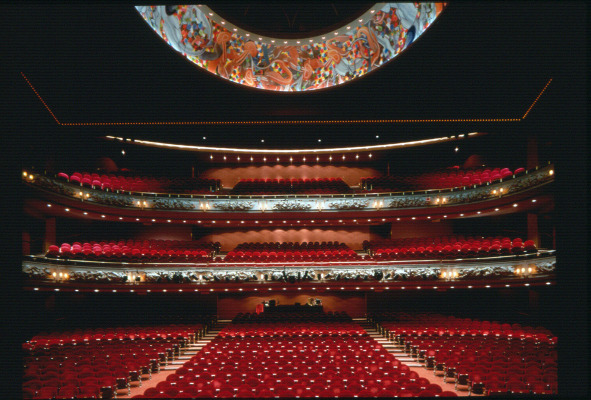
{"x":291,"y":65}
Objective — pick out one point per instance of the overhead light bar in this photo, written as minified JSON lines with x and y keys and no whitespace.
{"x":291,"y":151}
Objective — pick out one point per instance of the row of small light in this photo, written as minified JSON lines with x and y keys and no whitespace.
{"x":291,"y":159}
{"x":262,"y":39}
{"x":205,"y":206}
{"x":270,"y":289}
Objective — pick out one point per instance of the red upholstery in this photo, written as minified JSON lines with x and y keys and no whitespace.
{"x":143,"y":184}
{"x":137,"y":250}
{"x":435,"y":180}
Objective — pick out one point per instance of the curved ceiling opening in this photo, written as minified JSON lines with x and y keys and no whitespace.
{"x":291,"y":65}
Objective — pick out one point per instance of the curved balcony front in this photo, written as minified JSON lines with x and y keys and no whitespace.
{"x":208,"y":206}
{"x":527,"y":269}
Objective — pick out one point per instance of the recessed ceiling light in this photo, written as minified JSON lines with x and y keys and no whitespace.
{"x":478,"y":212}
{"x":76,"y":290}
{"x":445,"y":216}
{"x":397,"y":219}
{"x":67,"y":210}
{"x":48,"y":205}
{"x":413,"y":218}
{"x":96,"y":290}
{"x":85,"y":213}
{"x":461,"y":215}
{"x":184,"y":221}
{"x":120,"y":217}
{"x":533,"y":200}
{"x":548,"y":283}
{"x":153,"y":220}
{"x":496,"y":209}
{"x":515,"y":205}
{"x":103,"y":216}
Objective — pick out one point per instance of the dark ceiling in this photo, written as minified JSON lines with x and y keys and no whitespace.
{"x":103,"y":63}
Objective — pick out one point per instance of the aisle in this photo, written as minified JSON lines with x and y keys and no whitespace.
{"x":186,"y":354}
{"x":402,"y":356}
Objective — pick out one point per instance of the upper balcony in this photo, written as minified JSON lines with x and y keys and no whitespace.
{"x":208,"y":200}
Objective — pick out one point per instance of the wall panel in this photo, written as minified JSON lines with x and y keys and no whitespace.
{"x":230,"y":305}
{"x":229,"y":238}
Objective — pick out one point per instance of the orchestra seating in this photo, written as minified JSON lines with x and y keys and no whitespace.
{"x":295,"y":357}
{"x":98,"y":363}
{"x":142,"y":184}
{"x":136,"y":251}
{"x":447,"y":247}
{"x":486,"y":357}
{"x":291,"y":252}
{"x":437,"y":180}
{"x":290,"y":186}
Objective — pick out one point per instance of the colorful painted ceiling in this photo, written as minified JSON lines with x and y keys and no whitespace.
{"x":291,"y":65}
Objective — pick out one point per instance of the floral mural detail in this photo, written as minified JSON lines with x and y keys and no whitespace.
{"x":403,"y":202}
{"x":349,"y":204}
{"x":173,"y":204}
{"x":299,"y":65}
{"x":292,"y":205}
{"x":111,"y":200}
{"x":234,"y":205}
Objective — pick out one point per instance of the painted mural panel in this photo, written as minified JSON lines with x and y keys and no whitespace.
{"x":292,"y":65}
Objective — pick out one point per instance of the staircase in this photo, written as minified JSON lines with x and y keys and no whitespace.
{"x":397,"y":350}
{"x":192,"y":349}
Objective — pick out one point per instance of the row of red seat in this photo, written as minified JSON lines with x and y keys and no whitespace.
{"x":291,"y":186}
{"x":142,"y":184}
{"x":272,"y":246}
{"x":44,"y":340}
{"x":137,"y":251}
{"x":264,"y":367}
{"x":129,"y":255}
{"x":494,"y":359}
{"x":99,"y":364}
{"x":394,"y":249}
{"x":295,"y":256}
{"x":438,"y":180}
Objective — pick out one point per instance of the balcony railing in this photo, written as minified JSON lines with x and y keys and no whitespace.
{"x":296,"y":202}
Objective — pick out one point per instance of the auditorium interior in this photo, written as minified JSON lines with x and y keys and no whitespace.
{"x":276,"y":200}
